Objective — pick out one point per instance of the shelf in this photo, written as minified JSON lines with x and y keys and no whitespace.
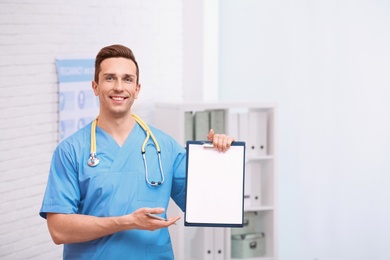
{"x":197,"y":106}
{"x":260,"y":208}
{"x":253,"y":123}
{"x":249,"y":157}
{"x":254,"y":258}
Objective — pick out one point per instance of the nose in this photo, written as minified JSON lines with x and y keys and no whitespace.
{"x":118,"y":86}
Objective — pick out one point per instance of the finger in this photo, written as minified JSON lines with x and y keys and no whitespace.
{"x":210,"y":136}
{"x":223,"y":142}
{"x":173,"y":220}
{"x":156,"y":210}
{"x":157,"y":223}
{"x":230,"y":141}
{"x":219,"y":142}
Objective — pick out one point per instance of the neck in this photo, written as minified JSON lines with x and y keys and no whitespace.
{"x":118,"y":128}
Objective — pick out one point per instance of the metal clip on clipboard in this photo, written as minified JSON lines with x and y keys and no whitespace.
{"x":208,"y":145}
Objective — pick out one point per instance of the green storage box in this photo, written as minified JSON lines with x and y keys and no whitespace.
{"x":248,"y":245}
{"x":249,"y":224}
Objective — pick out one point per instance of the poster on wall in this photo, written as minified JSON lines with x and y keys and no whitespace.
{"x":77,"y":103}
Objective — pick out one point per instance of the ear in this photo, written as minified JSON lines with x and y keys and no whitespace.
{"x":95,"y":88}
{"x":137,"y":90}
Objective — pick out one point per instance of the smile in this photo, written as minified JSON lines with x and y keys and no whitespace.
{"x":118,"y":98}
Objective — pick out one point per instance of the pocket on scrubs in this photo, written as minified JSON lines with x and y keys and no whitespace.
{"x":162,"y":252}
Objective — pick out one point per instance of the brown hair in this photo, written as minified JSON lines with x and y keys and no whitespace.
{"x":114,"y":51}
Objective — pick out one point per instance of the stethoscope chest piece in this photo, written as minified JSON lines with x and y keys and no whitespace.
{"x":93,"y":160}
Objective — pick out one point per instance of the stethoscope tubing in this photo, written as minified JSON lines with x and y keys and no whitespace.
{"x":94,"y":161}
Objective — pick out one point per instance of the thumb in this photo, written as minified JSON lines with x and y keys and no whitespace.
{"x":210,"y":136}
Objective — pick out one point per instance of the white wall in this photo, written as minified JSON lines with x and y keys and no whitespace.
{"x":327,"y":64}
{"x":200,"y":50}
{"x":32,"y":34}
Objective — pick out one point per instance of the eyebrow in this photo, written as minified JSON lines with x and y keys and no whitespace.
{"x":113,"y":75}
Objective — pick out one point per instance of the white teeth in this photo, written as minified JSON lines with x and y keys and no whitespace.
{"x":118,"y":98}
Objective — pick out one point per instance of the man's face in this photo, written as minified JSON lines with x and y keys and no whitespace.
{"x":117,"y":87}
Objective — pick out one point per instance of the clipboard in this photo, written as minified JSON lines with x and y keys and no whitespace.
{"x":215,"y":185}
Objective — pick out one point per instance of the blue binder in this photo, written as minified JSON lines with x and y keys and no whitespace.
{"x":215,"y":185}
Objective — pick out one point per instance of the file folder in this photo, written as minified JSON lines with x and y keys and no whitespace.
{"x":215,"y":185}
{"x":188,"y":126}
{"x":201,"y":124}
{"x":217,"y":121}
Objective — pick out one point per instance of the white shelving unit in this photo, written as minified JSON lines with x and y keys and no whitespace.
{"x":255,"y":124}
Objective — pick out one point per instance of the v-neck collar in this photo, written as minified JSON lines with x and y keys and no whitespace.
{"x":120,"y":154}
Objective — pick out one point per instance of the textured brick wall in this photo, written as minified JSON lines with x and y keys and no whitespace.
{"x":32,"y":34}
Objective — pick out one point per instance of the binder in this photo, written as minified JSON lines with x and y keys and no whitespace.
{"x":217,"y":121}
{"x":253,"y":129}
{"x":202,"y":246}
{"x":257,"y":129}
{"x":248,"y":196}
{"x":215,"y":185}
{"x":254,"y":192}
{"x":219,"y":243}
{"x":188,"y":126}
{"x":208,"y":243}
{"x":243,"y":131}
{"x":201,"y":125}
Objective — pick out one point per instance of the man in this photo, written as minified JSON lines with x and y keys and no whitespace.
{"x":100,"y":211}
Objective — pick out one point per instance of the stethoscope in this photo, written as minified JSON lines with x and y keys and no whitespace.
{"x":93,"y":160}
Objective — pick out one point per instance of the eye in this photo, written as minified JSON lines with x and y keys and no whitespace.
{"x":109,"y":78}
{"x":128,"y":79}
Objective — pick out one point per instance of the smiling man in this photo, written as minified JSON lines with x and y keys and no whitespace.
{"x":101,"y":210}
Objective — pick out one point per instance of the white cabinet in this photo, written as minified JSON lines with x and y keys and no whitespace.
{"x":254,"y":124}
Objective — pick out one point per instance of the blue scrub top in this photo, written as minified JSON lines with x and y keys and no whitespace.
{"x":116,"y":187}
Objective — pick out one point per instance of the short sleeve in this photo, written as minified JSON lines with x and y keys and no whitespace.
{"x":62,"y":193}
